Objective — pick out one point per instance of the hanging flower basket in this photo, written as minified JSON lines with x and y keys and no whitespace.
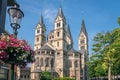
{"x":15,"y":51}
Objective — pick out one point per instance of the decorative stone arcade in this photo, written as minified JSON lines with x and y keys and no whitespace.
{"x":44,"y":61}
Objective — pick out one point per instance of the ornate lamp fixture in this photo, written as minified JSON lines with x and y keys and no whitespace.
{"x":16,"y":16}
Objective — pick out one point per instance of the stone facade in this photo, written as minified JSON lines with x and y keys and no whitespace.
{"x":56,"y":53}
{"x":25,"y":73}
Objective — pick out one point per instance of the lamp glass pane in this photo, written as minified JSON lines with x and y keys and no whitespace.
{"x":15,"y":15}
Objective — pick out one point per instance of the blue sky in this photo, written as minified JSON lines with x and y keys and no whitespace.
{"x":99,"y":16}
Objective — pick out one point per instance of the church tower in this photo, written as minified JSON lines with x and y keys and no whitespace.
{"x":83,"y":38}
{"x":40,"y":34}
{"x":60,"y":41}
{"x":83,"y":48}
{"x":60,"y":29}
{"x":40,"y":40}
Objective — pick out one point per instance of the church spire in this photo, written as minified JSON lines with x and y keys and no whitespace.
{"x":83,"y":28}
{"x":41,"y":22}
{"x":60,"y":13}
{"x":40,"y":34}
{"x":69,"y":34}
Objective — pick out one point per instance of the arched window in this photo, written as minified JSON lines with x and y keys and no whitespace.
{"x":58,"y":53}
{"x":46,"y":62}
{"x":52,"y":62}
{"x":38,"y":31}
{"x":41,"y":61}
{"x":37,"y":39}
{"x":82,"y":47}
{"x":82,"y":41}
{"x":43,"y":52}
{"x":50,"y":37}
{"x":57,"y":43}
{"x":58,"y":24}
{"x":38,"y":52}
{"x":58,"y":34}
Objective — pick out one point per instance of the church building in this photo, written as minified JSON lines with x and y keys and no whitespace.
{"x":55,"y":53}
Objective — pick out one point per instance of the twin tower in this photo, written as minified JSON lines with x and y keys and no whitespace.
{"x":55,"y":53}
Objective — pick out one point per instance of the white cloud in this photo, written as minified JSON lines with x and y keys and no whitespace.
{"x":50,"y":14}
{"x":31,"y":9}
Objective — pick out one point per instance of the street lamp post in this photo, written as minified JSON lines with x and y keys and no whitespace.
{"x":16,"y":16}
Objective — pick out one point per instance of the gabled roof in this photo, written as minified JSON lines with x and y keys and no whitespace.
{"x":69,"y":33}
{"x":46,"y":47}
{"x":83,"y":28}
{"x":60,"y":13}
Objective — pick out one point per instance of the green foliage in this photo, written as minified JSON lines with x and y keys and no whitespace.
{"x":48,"y":76}
{"x":118,"y":20}
{"x":106,"y":52}
{"x":45,"y":75}
{"x":64,"y":78}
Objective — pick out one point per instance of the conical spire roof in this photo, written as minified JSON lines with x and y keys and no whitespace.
{"x":69,"y":33}
{"x":60,"y":13}
{"x":41,"y":22}
{"x":83,"y":28}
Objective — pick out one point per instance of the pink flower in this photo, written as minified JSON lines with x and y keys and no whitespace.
{"x":2,"y":45}
{"x":18,"y":50}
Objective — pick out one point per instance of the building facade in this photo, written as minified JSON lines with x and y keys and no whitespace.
{"x":25,"y":73}
{"x":56,"y":54}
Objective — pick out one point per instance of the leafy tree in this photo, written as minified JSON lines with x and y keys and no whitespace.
{"x":106,"y":57}
{"x":116,"y":50}
{"x":118,"y":21}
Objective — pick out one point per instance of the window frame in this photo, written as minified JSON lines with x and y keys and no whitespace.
{"x":37,"y":39}
{"x":58,"y":34}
